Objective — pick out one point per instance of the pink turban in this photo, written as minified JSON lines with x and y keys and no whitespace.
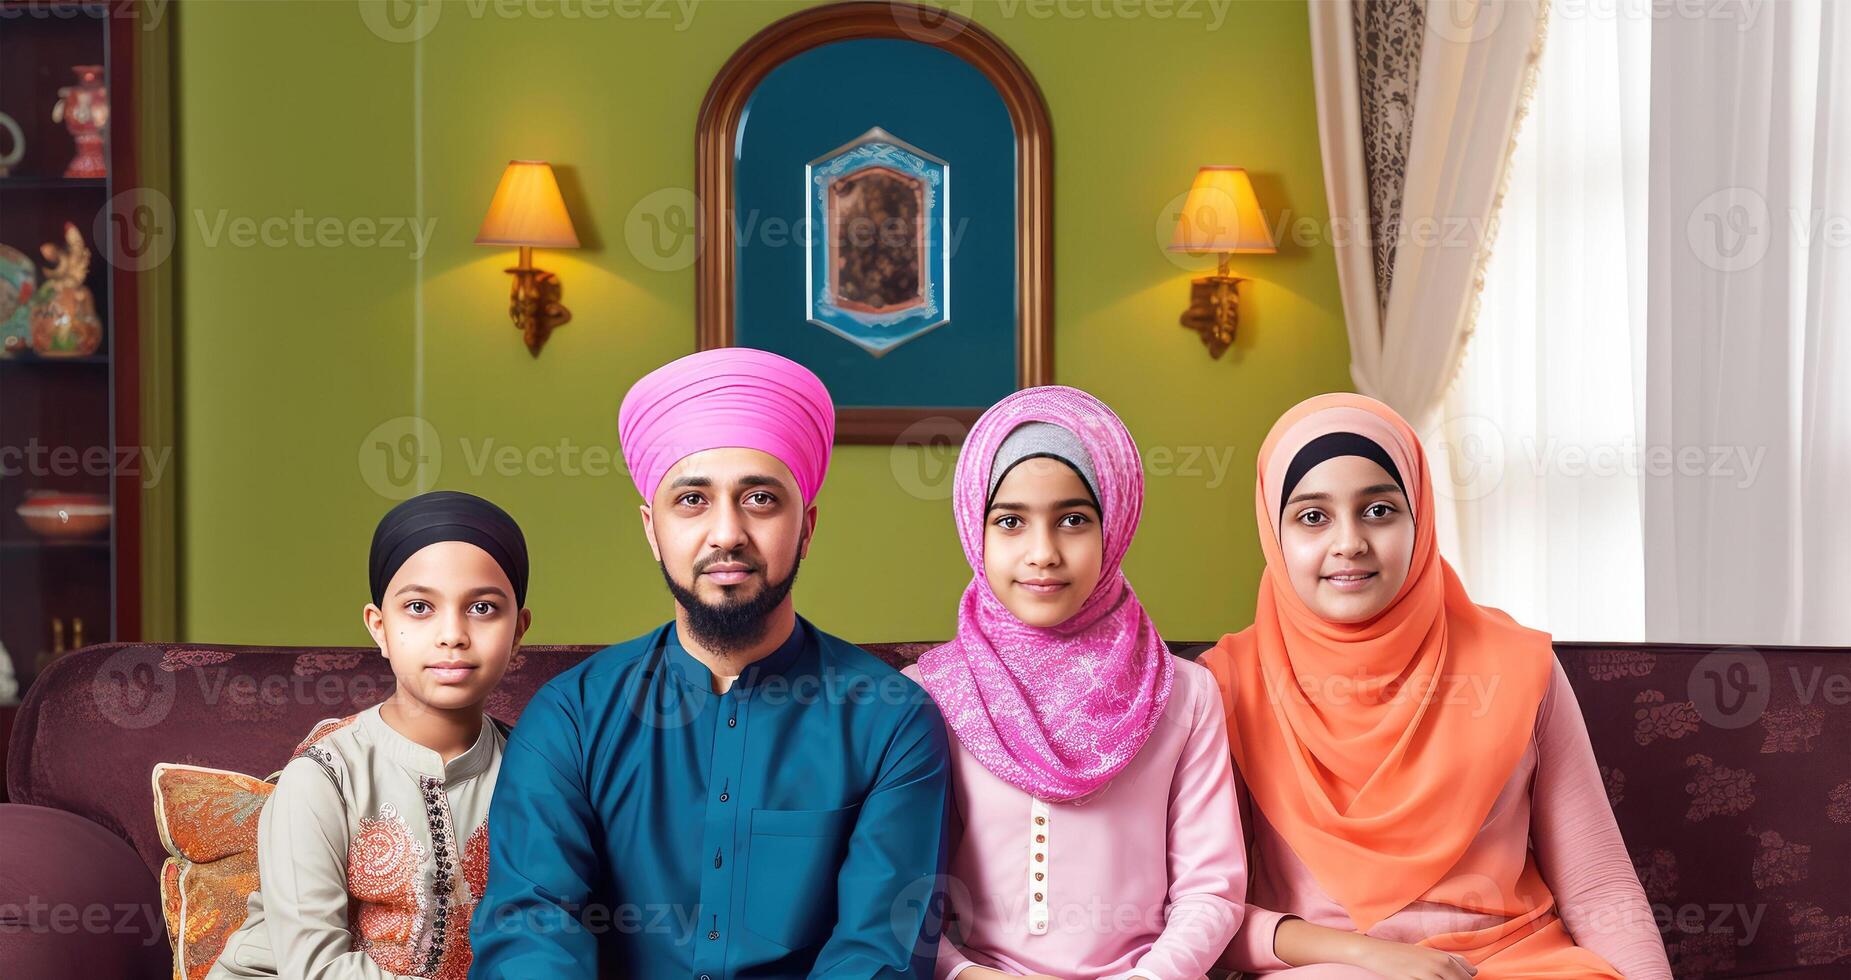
{"x":727,"y":398}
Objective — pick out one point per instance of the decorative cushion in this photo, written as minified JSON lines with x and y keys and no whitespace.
{"x":207,"y":819}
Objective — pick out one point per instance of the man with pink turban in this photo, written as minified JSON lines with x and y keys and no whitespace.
{"x":735,"y":793}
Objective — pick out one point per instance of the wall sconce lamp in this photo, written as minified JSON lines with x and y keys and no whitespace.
{"x":529,"y":212}
{"x":1220,"y":215}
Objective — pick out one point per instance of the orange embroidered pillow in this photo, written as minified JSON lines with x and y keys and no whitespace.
{"x":208,"y":822}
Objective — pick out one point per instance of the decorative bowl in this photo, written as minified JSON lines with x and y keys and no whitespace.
{"x":56,"y":514}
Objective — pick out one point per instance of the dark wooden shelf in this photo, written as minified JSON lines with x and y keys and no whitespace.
{"x":21,"y":183}
{"x":35,"y":360}
{"x":57,"y":544}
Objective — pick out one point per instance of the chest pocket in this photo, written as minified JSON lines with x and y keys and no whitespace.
{"x":791,"y":880}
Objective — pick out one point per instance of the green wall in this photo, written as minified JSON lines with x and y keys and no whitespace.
{"x":307,"y":358}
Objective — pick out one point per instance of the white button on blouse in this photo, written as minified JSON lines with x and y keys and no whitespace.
{"x":1038,"y":868}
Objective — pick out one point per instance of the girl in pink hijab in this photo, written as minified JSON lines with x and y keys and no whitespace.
{"x":1081,"y":747}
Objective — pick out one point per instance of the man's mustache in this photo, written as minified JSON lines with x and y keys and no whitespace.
{"x":706,"y":563}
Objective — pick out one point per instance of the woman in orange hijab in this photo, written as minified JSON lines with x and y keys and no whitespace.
{"x":1426,"y":805}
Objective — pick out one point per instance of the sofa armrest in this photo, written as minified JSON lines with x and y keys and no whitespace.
{"x":75,"y":901}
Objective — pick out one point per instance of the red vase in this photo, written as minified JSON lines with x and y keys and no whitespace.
{"x":84,"y":110}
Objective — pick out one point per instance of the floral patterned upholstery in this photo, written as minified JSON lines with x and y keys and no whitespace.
{"x":1726,"y":767}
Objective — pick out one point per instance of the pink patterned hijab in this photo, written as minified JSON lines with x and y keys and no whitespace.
{"x":1054,"y":711}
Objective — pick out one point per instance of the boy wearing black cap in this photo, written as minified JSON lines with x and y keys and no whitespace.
{"x":373,"y":849}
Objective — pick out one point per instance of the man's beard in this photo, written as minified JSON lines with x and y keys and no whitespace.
{"x":732,"y":626}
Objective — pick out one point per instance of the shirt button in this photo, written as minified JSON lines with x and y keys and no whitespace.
{"x":714,"y":935}
{"x":723,"y":797}
{"x":1041,"y":838}
{"x":1040,"y":820}
{"x":1040,"y":857}
{"x":732,"y":723}
{"x":1037,"y":896}
{"x":705,"y":977}
{"x":1039,"y":876}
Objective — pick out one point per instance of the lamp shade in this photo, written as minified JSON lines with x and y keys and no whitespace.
{"x":527,"y":209}
{"x":1221,"y":214}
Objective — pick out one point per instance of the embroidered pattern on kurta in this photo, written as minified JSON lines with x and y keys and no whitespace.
{"x":387,"y":908}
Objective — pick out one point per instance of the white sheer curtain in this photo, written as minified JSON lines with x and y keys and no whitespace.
{"x":1475,"y":58}
{"x":1540,"y":437}
{"x":1651,"y":433}
{"x":1823,"y":600}
{"x":1751,"y":173}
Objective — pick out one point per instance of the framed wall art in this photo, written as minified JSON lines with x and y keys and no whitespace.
{"x":876,"y":203}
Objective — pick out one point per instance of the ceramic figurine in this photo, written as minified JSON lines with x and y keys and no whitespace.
{"x":64,"y":320}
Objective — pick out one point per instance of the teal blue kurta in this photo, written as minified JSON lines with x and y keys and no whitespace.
{"x":644,"y":826}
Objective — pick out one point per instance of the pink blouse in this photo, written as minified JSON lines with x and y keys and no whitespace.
{"x":1136,"y":880}
{"x":1555,"y":803}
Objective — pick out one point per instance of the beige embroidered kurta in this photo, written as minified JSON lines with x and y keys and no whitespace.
{"x":372,"y":854}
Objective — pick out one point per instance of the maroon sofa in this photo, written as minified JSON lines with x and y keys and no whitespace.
{"x":1728,"y":769}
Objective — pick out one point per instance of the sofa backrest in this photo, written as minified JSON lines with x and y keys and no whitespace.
{"x":1726,"y":767}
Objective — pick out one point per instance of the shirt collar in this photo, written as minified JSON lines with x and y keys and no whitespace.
{"x":426,"y":761}
{"x":777,"y":662}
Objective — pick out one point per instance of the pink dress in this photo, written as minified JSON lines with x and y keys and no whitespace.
{"x":1554,"y":810}
{"x":1135,"y":880}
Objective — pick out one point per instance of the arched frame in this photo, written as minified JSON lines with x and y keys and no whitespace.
{"x":717,"y":131}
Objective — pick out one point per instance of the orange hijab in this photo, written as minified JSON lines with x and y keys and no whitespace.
{"x":1376,"y":749}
